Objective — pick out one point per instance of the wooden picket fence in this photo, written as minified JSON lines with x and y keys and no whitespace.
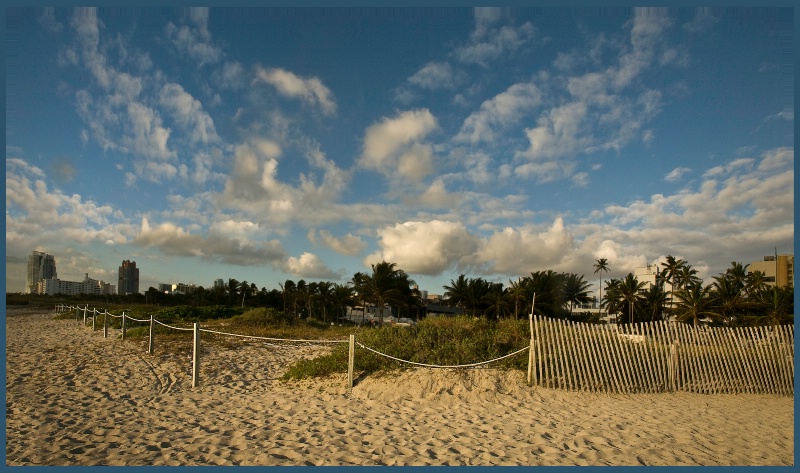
{"x":662,"y":357}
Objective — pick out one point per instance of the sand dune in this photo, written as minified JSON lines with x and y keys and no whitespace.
{"x":75,"y":398}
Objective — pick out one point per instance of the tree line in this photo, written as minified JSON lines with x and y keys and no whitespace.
{"x":736,"y":297}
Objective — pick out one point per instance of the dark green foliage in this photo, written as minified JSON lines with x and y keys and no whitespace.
{"x":443,"y":341}
{"x":260,"y":318}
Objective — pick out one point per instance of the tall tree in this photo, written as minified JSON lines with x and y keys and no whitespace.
{"x":576,"y":291}
{"x":457,"y":293}
{"x":496,"y":299}
{"x":629,"y":294}
{"x":693,"y":303}
{"x":601,"y":266}
{"x":386,"y":285}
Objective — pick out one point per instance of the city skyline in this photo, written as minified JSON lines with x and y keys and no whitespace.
{"x":274,"y":144}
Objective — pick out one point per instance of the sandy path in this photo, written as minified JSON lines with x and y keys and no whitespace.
{"x":75,"y":398}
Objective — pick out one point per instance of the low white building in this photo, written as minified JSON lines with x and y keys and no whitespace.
{"x":73,"y":288}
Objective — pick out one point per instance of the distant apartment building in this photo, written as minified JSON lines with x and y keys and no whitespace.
{"x":40,"y":266}
{"x":219,"y":283}
{"x":88,"y":286}
{"x":778,"y":270}
{"x":128,"y":278}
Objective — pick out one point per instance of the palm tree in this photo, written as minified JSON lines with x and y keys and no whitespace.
{"x":672,"y":268}
{"x":497,"y":300}
{"x":233,"y":291}
{"x":755,"y":283}
{"x":457,"y":293}
{"x":727,"y":293}
{"x":628,"y":293}
{"x":694,"y":302}
{"x":386,"y":285}
{"x":342,"y":296}
{"x":244,"y":288}
{"x":517,"y":293}
{"x":324,"y":294}
{"x":687,"y":276}
{"x":287,"y":293}
{"x":778,"y":306}
{"x":601,"y":266}
{"x":576,"y":291}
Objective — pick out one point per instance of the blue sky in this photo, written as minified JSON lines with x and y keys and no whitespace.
{"x":274,"y":144}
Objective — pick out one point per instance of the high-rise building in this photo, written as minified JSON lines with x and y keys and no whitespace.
{"x":219,"y":283}
{"x":40,"y":266}
{"x":128,"y":278}
{"x":778,"y":270}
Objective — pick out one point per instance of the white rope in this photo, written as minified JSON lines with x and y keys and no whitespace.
{"x":137,"y":320}
{"x":273,"y":339}
{"x":443,"y":366}
{"x":173,"y":328}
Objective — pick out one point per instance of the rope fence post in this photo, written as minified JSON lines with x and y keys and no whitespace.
{"x":94,"y":316}
{"x":123,"y":325}
{"x":105,"y":323}
{"x":77,"y":314}
{"x":84,"y":314}
{"x":351,"y":354}
{"x":530,"y":348}
{"x":152,"y":335}
{"x":196,"y":357}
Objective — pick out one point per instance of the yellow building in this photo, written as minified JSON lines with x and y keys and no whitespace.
{"x":778,"y":269}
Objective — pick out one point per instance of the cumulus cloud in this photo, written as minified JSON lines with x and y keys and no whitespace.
{"x":394,"y":146}
{"x":39,"y":215}
{"x":174,"y":240}
{"x":309,"y":265}
{"x":516,"y":251}
{"x":425,"y":247}
{"x":311,"y":90}
{"x":350,"y":245}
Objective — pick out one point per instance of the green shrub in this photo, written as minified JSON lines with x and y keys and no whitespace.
{"x":444,"y":341}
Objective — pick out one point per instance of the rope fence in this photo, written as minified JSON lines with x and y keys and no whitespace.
{"x":637,"y":358}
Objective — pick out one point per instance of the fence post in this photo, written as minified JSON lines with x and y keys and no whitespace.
{"x":196,"y":357}
{"x":673,"y":366}
{"x":84,"y":315}
{"x":123,"y":325}
{"x":77,"y":314}
{"x":94,"y":316}
{"x":105,"y":323}
{"x":351,"y":354}
{"x":152,"y":335}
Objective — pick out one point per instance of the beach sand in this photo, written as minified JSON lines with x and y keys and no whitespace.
{"x":76,"y":398}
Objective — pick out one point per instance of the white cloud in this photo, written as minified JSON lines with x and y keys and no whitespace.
{"x":394,"y":147}
{"x":188,"y":112}
{"x":309,"y":265}
{"x":676,"y":174}
{"x":350,"y":245}
{"x":311,"y":91}
{"x":174,"y":240}
{"x":519,"y":251}
{"x":434,"y":76}
{"x":195,"y":40}
{"x":425,"y":247}
{"x":499,"y":113}
{"x":489,"y":43}
{"x":776,"y":159}
{"x":37,"y":215}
